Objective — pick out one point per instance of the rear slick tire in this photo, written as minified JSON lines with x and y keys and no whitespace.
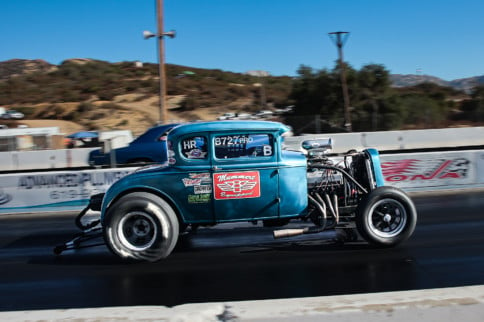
{"x":386,"y":217}
{"x":141,"y":226}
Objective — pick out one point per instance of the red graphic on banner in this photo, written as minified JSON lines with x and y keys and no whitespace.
{"x":414,"y":169}
{"x":236,"y":185}
{"x":398,"y":167}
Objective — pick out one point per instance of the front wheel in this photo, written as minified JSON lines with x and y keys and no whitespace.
{"x":386,"y":217}
{"x":141,"y":226}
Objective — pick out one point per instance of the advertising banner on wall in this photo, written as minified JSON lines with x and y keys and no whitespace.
{"x":429,"y":169}
{"x":50,"y":191}
{"x":70,"y":190}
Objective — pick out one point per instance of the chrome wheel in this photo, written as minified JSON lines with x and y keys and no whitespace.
{"x":141,"y":226}
{"x":387,"y":218}
{"x":137,"y":231}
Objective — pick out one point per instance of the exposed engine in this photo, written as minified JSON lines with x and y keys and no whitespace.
{"x":336,"y":185}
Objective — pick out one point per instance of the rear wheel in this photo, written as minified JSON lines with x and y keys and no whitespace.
{"x":386,"y":217}
{"x":141,"y":226}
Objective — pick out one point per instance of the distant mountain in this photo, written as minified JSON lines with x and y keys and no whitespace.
{"x":399,"y":80}
{"x":463,"y":84}
{"x":466,"y":84}
{"x":15,"y":67}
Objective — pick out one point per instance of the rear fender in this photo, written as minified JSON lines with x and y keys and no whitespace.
{"x":107,"y":202}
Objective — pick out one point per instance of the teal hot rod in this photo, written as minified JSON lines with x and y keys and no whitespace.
{"x":231,"y":171}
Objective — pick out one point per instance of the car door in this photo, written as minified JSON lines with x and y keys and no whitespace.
{"x":245,"y":176}
{"x":190,"y":180}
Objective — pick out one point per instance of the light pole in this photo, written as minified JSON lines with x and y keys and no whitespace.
{"x":339,"y":38}
{"x":161,"y":57}
{"x":261,"y":74}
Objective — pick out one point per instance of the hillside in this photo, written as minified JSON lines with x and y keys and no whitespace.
{"x":98,"y":95}
{"x":123,"y":112}
{"x":20,"y":67}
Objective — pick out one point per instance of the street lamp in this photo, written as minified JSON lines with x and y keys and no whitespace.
{"x":148,"y":34}
{"x":339,"y":38}
{"x":161,"y":57}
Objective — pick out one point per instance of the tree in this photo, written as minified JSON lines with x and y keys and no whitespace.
{"x":314,"y":92}
{"x":473,"y":109}
{"x":373,"y":83}
{"x":319,"y":93}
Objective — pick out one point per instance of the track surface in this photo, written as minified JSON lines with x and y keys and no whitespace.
{"x":231,"y":263}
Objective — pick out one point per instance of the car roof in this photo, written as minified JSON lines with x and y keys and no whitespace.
{"x":230,"y":125}
{"x":153,"y":133}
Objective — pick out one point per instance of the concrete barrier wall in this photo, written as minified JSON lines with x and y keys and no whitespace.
{"x":398,"y":140}
{"x":70,"y":190}
{"x":44,"y":159}
{"x":342,"y":142}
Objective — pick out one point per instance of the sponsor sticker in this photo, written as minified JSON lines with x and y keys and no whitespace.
{"x":196,"y":179}
{"x":201,"y":198}
{"x":187,"y":182}
{"x":203,"y":176}
{"x":236,"y":185}
{"x":202,"y":189}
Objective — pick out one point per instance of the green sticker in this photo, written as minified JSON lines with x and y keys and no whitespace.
{"x":201,"y":198}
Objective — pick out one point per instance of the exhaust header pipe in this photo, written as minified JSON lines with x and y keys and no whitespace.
{"x":296,"y":232}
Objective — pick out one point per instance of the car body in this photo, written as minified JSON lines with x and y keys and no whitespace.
{"x":13,"y":115}
{"x":231,"y":171}
{"x":149,"y":147}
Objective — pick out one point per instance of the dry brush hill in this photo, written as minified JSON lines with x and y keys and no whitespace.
{"x":96,"y":95}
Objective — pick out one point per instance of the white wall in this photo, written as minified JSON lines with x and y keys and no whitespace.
{"x":44,"y":159}
{"x":61,"y":190}
{"x":398,"y":140}
{"x":342,"y":142}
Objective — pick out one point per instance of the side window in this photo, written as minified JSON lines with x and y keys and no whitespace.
{"x":245,"y":145}
{"x":194,"y":147}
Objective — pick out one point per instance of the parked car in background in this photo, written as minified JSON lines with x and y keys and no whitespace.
{"x":149,"y":147}
{"x":243,"y":116}
{"x":13,"y":115}
{"x":226,"y":116}
{"x":264,"y":113}
{"x":284,"y":110}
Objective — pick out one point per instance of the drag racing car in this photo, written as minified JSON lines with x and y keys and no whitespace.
{"x":232,"y":171}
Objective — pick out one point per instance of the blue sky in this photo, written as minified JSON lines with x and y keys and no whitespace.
{"x":441,"y":38}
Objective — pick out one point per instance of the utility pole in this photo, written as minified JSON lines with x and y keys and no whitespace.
{"x":161,"y":57}
{"x":161,"y":65}
{"x":339,"y":38}
{"x":262,"y":74}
